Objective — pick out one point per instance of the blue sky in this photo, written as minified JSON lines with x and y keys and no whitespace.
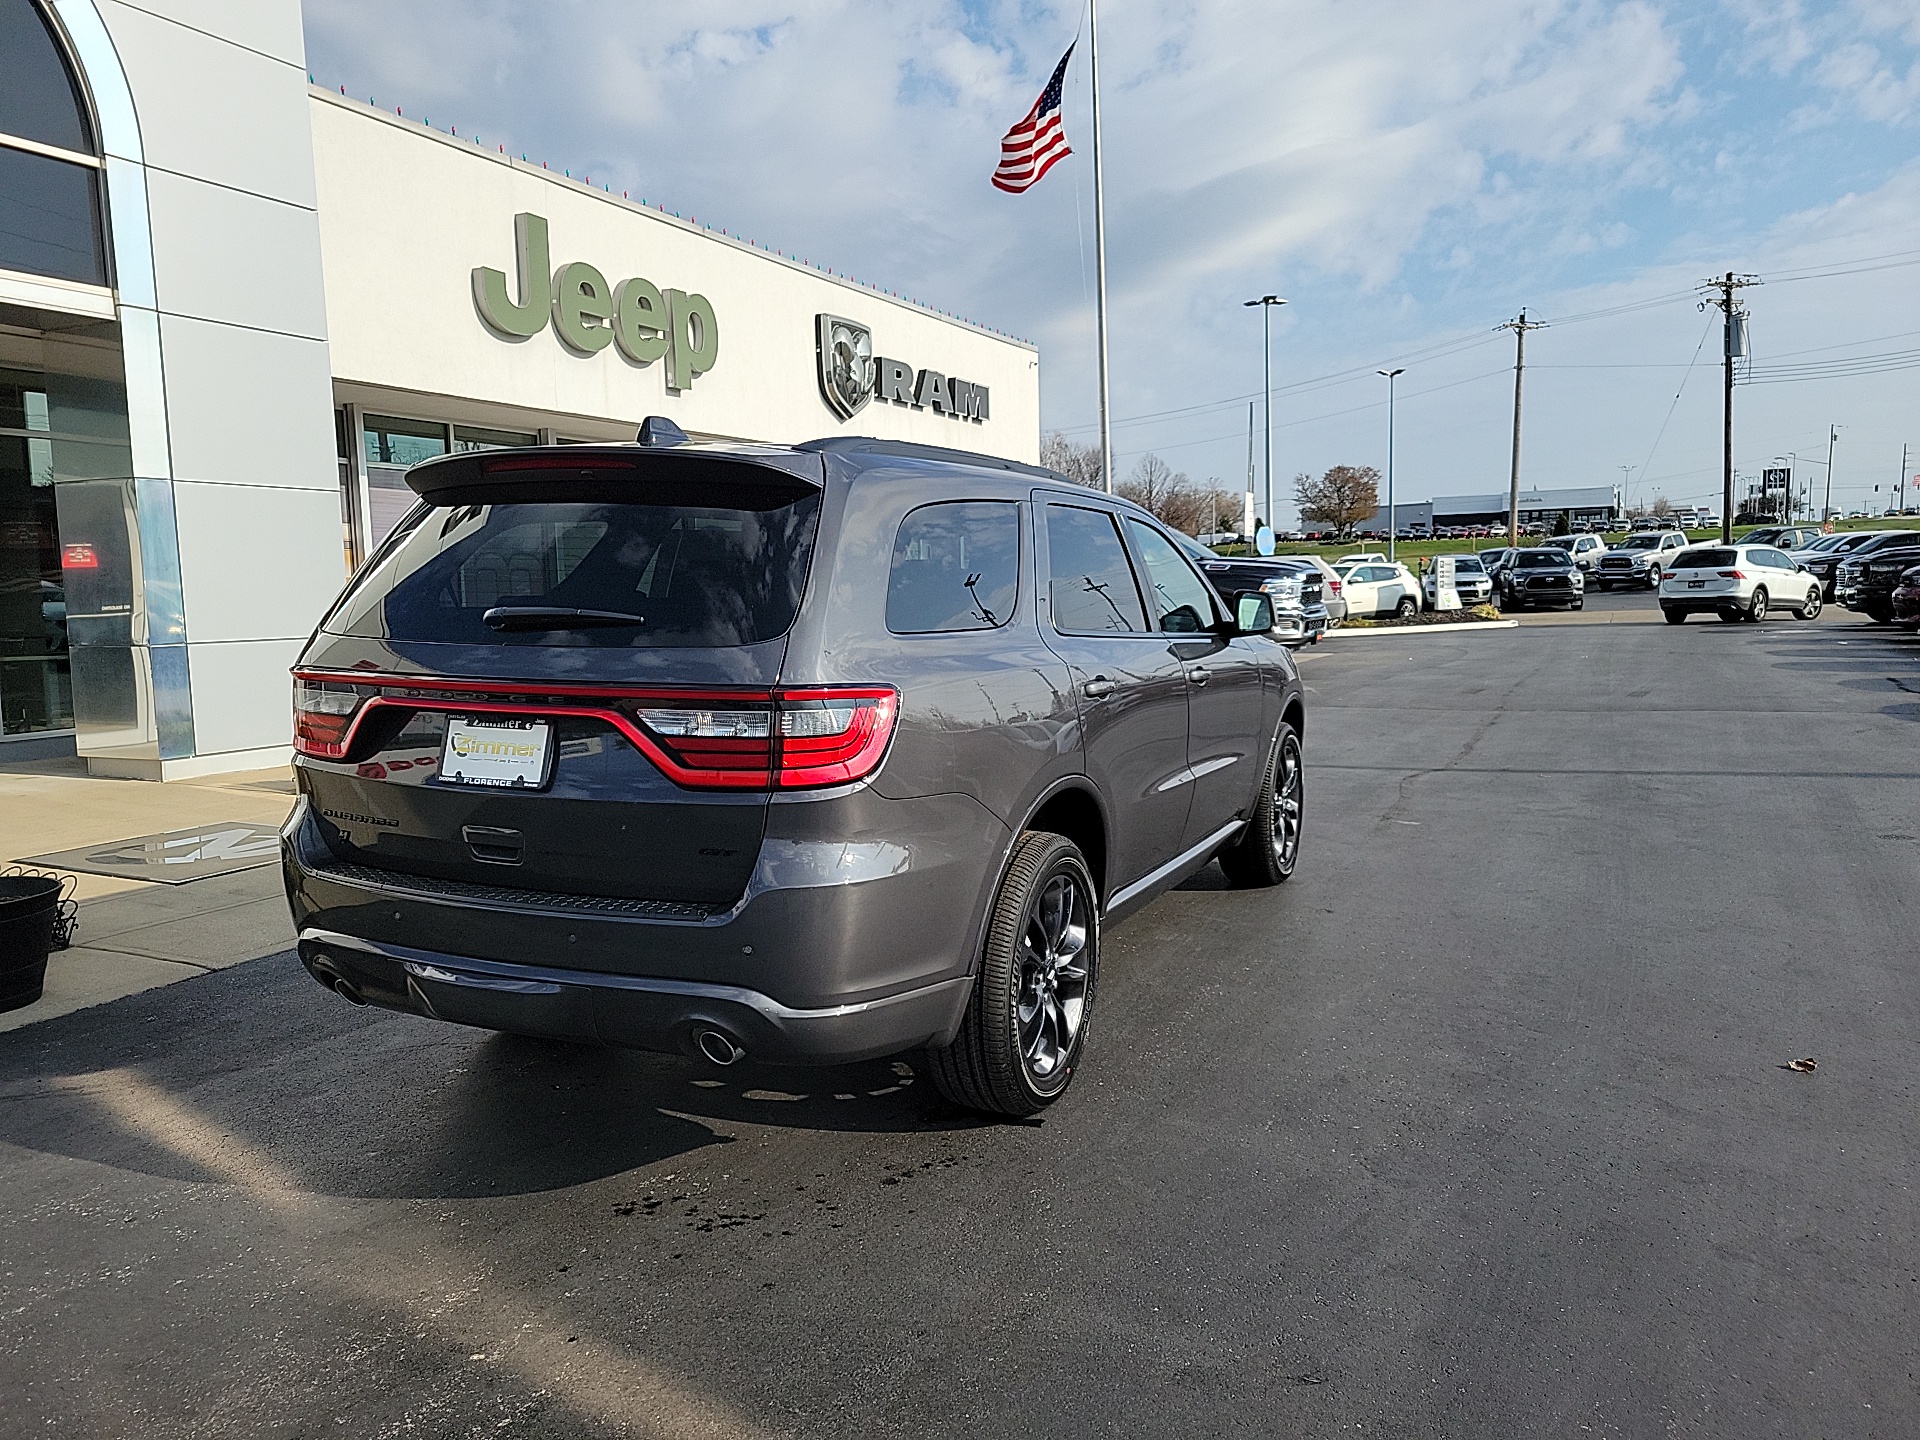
{"x":1406,"y":174}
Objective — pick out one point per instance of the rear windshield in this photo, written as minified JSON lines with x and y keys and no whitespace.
{"x":1702,"y":559}
{"x":658,"y":575}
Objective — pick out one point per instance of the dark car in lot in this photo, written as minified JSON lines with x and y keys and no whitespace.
{"x":1866,"y":582}
{"x":1832,"y":551}
{"x":1906,"y":599}
{"x":1293,"y":586}
{"x":811,"y":753}
{"x":1540,"y":577}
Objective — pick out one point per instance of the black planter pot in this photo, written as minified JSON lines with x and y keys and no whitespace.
{"x":29,"y":911}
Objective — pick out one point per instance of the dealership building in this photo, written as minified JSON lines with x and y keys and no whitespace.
{"x":1579,"y":506}
{"x":235,"y":307}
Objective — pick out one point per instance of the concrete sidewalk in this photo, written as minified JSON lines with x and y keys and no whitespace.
{"x":134,"y":935}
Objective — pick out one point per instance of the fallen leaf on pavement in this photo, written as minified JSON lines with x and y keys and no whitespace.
{"x":1805,"y":1067}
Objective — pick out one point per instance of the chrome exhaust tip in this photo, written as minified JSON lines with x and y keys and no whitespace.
{"x":718,"y":1046}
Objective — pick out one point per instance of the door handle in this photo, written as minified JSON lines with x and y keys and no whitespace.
{"x":1097,"y":688}
{"x":1197,"y":674}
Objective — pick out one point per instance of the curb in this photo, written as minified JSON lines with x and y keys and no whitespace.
{"x":1425,"y":629}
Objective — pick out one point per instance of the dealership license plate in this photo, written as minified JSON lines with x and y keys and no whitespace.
{"x":1696,"y":584}
{"x":503,"y":752}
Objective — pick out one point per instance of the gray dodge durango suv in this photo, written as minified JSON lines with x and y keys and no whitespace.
{"x":817,"y":753}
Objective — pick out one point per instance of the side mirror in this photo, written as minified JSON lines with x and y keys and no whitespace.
{"x":1252,"y":613}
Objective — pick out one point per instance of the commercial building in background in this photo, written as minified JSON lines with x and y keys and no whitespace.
{"x":1582,"y":506}
{"x":234,"y":307}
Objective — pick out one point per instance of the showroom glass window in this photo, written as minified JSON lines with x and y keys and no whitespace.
{"x":62,"y":404}
{"x":49,"y":168}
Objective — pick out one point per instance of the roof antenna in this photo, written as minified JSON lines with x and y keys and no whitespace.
{"x":660,"y":432}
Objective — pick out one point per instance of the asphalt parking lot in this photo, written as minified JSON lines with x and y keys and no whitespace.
{"x":1479,"y":1128}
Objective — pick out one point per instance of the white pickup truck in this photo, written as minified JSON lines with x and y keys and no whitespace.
{"x":1640,"y":559}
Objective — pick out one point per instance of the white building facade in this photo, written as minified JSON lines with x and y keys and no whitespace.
{"x":221,"y":343}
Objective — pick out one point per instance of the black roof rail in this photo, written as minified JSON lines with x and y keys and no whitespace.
{"x":908,"y":450}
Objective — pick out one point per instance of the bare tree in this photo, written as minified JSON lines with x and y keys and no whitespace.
{"x":1662,"y":505}
{"x":1079,"y":463}
{"x":1343,"y":497}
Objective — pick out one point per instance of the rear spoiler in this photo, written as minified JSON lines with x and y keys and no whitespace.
{"x":610,"y":471}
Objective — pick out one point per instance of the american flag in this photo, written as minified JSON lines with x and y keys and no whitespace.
{"x":1038,"y":142}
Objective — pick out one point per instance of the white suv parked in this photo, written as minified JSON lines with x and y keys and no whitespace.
{"x":1737,"y":582}
{"x":1586,"y":550}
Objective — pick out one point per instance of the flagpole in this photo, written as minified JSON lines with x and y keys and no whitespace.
{"x":1099,"y":246}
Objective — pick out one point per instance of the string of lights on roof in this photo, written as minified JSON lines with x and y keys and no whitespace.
{"x":586,"y":181}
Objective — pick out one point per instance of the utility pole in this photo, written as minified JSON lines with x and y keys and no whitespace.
{"x":1393,"y":526}
{"x":1733,"y":347}
{"x":1266,"y":304}
{"x":1833,"y":435}
{"x":1900,"y":485}
{"x":1519,"y":328}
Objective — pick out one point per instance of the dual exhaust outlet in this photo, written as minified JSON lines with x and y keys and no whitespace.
{"x":715,"y":1044}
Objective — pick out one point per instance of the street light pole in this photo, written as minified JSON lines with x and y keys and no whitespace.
{"x":1393,"y":527}
{"x":1266,"y":304}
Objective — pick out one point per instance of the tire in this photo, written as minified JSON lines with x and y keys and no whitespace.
{"x":1756,"y":610}
{"x":1810,"y":610}
{"x":1653,"y":577}
{"x":1879,"y":614}
{"x":1674,"y":617}
{"x":1407,"y":608}
{"x":1577,"y":605}
{"x":1026,"y":1025}
{"x":1269,"y":848}
{"x":1730,"y":616}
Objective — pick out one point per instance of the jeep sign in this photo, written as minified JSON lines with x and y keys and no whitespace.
{"x":588,"y":314}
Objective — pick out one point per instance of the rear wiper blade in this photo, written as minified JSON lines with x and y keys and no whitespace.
{"x":555,"y":617}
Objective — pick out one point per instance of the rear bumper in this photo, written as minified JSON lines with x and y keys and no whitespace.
{"x":642,"y":1014}
{"x":839,"y":949}
{"x":1709,"y":605}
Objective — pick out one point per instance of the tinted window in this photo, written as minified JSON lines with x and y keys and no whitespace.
{"x":955,"y":567}
{"x":1468,"y":565}
{"x":1704,"y":559}
{"x":707,"y":575}
{"x":1182,"y":601}
{"x":51,"y":220}
{"x":1090,"y":584}
{"x":38,"y":100}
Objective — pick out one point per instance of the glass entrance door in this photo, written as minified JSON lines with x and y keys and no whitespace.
{"x":36,"y":689}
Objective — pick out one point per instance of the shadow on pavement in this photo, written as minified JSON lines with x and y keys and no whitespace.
{"x":369,"y":1104}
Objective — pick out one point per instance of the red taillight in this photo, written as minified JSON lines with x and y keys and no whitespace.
{"x":700,"y":739}
{"x":803,"y":738}
{"x":712,"y":742}
{"x":1731,"y":574}
{"x":833,"y":736}
{"x":323,"y":714}
{"x":1333,"y":585}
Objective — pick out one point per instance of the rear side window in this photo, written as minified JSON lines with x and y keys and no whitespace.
{"x":1182,"y":601}
{"x":956,"y":566}
{"x":1090,"y":585}
{"x":1704,"y":559}
{"x":650,"y":575}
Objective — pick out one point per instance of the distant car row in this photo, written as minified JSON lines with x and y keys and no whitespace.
{"x":1781,"y":567}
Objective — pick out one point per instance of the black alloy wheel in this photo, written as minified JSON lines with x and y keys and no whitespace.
{"x":1269,"y":848}
{"x":1757,"y":607}
{"x":1675,"y":615}
{"x":1810,"y":610}
{"x":1021,"y":1038}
